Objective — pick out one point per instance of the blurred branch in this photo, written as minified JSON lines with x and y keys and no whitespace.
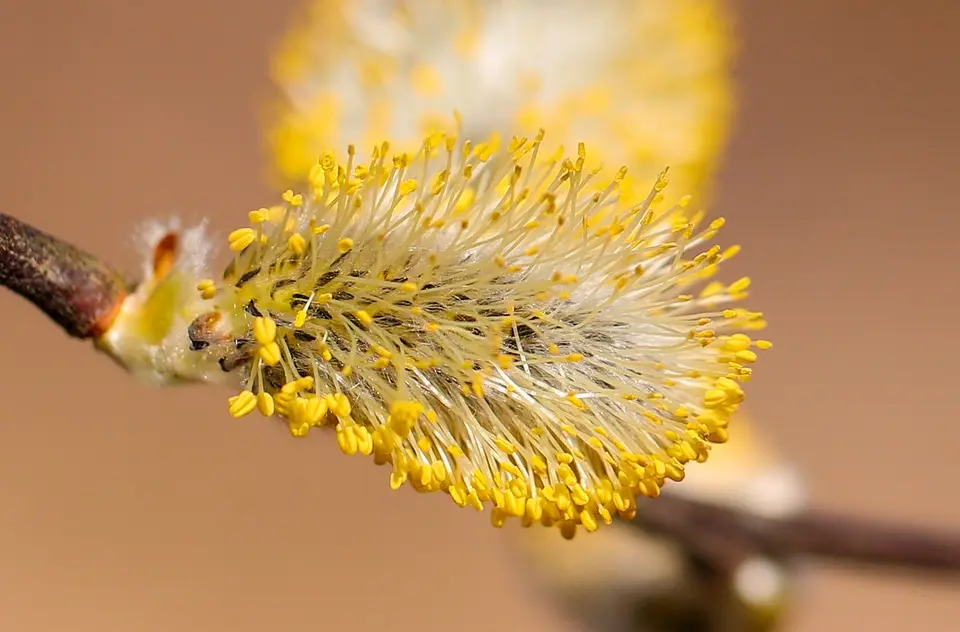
{"x":75,"y":289}
{"x":727,"y":537}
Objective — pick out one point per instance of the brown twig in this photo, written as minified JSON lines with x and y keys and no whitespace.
{"x":727,"y":537}
{"x":75,"y":289}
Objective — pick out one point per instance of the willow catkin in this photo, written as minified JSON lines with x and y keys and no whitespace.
{"x":491,"y":320}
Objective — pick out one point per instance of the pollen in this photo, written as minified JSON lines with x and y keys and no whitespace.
{"x":517,"y":361}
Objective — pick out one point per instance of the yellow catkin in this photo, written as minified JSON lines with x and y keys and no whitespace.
{"x":511,"y":358}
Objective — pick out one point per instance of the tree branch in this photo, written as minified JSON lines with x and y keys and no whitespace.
{"x":75,"y":289}
{"x":727,"y":537}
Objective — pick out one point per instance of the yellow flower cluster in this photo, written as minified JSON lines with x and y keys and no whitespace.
{"x":493,"y":320}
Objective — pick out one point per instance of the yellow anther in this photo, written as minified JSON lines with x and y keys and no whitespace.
{"x":345,"y":245}
{"x":316,"y":410}
{"x":264,"y":329}
{"x":397,"y":479}
{"x":476,"y":384}
{"x":589,"y":520}
{"x":364,"y":441}
{"x":347,"y":439}
{"x":265,"y":404}
{"x":731,"y":252}
{"x":242,"y":404}
{"x":207,"y":289}
{"x":259,"y":216}
{"x":737,"y":342}
{"x":338,"y":404}
{"x":403,"y":416}
{"x":283,"y":403}
{"x":297,"y":244}
{"x":241,"y":238}
{"x":270,"y":353}
{"x":439,"y":471}
{"x":739,"y":286}
{"x":505,"y":445}
{"x":714,"y":397}
{"x":579,"y":495}
{"x":291,"y":198}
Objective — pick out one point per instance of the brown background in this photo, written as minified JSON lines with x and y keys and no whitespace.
{"x":124,"y":508}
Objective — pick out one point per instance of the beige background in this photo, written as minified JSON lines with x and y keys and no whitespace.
{"x":124,"y":508}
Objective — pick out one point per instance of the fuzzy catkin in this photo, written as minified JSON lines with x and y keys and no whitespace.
{"x":492,"y":320}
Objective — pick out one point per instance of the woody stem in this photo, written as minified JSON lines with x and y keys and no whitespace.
{"x":74,"y":288}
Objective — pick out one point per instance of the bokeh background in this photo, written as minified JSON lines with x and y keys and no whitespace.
{"x":126,"y":508}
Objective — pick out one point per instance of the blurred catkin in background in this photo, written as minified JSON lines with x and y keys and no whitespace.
{"x":644,"y":84}
{"x":648,"y":84}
